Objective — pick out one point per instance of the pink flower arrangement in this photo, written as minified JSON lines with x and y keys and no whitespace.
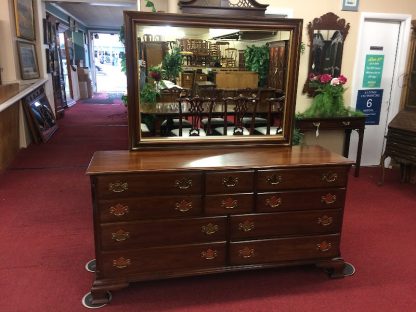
{"x":327,"y":78}
{"x":328,"y":96}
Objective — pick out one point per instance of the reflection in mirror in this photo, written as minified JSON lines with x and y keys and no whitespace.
{"x":41,"y":119}
{"x":197,"y":83}
{"x":327,"y":35}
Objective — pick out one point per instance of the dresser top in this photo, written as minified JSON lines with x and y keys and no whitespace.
{"x":212,"y":159}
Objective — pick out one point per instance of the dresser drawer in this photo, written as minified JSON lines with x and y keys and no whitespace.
{"x":229,"y":204}
{"x":300,"y":200}
{"x":227,"y":182}
{"x":285,"y":223}
{"x":149,"y":208}
{"x":162,"y":232}
{"x":284,"y":249}
{"x":280,"y":179}
{"x":161,"y":259}
{"x":128,"y":185}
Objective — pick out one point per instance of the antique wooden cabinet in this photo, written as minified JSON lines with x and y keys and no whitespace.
{"x":401,"y":135}
{"x":182,"y":206}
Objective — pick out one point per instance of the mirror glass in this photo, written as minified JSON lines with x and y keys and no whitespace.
{"x":200,"y":84}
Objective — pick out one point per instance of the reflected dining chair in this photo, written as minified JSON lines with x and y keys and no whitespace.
{"x":193,"y":108}
{"x":238,"y":107}
{"x":274,"y":114}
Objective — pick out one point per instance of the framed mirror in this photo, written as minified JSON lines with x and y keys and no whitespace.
{"x":198,"y":80}
{"x":40,"y":117}
{"x":327,"y":35}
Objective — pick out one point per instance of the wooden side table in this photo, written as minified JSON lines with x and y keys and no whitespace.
{"x":338,"y":123}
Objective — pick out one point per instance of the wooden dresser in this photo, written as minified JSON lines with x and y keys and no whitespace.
{"x":172,"y":213}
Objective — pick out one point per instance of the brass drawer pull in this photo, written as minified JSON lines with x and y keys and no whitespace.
{"x":119,"y":210}
{"x":246,"y":226}
{"x":346,"y":123}
{"x":229,"y":203}
{"x":183,"y":206}
{"x":324,"y":246}
{"x":274,"y":179}
{"x":121,"y":263}
{"x":329,"y":177}
{"x":209,"y":229}
{"x":230,"y":181}
{"x":120,"y":235}
{"x":209,"y":254}
{"x":246,"y":252}
{"x":325,"y":220}
{"x":118,"y":187}
{"x":183,"y":184}
{"x":329,"y":199}
{"x":273,"y":202}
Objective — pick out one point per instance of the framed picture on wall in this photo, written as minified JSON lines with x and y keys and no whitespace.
{"x":29,"y":68}
{"x":25,"y":20}
{"x":350,"y":5}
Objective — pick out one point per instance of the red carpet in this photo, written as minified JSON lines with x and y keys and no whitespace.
{"x":46,"y":240}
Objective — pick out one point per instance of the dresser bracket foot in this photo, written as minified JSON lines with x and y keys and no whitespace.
{"x":337,"y":267}
{"x":100,"y":291}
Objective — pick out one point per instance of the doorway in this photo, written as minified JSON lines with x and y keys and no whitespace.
{"x":381,"y":58}
{"x":108,"y":53}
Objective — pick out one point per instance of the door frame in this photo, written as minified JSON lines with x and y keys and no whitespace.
{"x":401,"y":59}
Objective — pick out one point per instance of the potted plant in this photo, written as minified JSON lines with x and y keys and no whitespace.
{"x":256,"y":59}
{"x":328,"y":100}
{"x":172,"y":64}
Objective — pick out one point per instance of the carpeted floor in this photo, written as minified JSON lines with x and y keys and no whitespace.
{"x":103,"y":98}
{"x":46,"y":240}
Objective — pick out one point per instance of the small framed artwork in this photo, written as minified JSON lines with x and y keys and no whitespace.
{"x":350,"y":5}
{"x":25,"y":20}
{"x":29,"y":68}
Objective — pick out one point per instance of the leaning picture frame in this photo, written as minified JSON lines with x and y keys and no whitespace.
{"x":25,"y":19}
{"x":350,"y":5}
{"x":29,"y":68}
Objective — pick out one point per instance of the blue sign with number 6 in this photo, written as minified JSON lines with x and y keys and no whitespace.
{"x":369,"y":102}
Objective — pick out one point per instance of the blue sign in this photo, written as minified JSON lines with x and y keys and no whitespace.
{"x":369,"y":102}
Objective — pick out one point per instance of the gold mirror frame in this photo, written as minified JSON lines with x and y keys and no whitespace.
{"x":133,"y":19}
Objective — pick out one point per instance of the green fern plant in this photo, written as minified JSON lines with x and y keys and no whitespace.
{"x":256,"y":59}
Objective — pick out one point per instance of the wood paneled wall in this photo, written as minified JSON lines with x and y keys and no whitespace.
{"x":9,"y":135}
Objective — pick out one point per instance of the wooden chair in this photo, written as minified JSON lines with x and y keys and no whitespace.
{"x":171,"y":97}
{"x":241,"y":106}
{"x":274,"y":113}
{"x":230,"y":57}
{"x":262,"y":94}
{"x":195,"y":107}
